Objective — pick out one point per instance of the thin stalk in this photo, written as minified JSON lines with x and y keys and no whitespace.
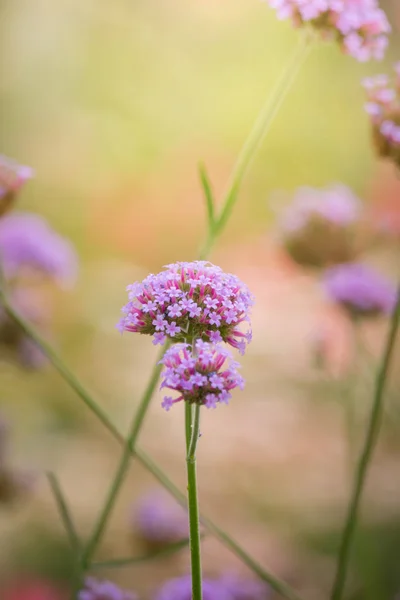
{"x":254,"y":140}
{"x":366,"y":456}
{"x":134,"y":560}
{"x":122,"y":468}
{"x":193,"y":417}
{"x":64,"y":513}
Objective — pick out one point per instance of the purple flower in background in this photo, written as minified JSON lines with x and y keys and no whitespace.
{"x":360,"y":289}
{"x":103,"y":590}
{"x":159,"y":521}
{"x":28,"y":242}
{"x":180,"y":588}
{"x":12,"y":178}
{"x":189,"y":299}
{"x":383,"y":108}
{"x":318,"y":227}
{"x":204,"y":377}
{"x":359,"y":26}
{"x":245,"y":589}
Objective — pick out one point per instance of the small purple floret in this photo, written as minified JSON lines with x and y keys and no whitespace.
{"x":180,"y":588}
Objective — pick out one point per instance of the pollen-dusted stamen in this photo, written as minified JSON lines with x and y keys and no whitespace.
{"x":205,"y":377}
{"x":360,"y":290}
{"x":359,"y":26}
{"x":186,"y":300}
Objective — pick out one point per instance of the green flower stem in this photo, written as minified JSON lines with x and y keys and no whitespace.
{"x":366,"y":456}
{"x":64,"y":513}
{"x":192,"y":421}
{"x":123,"y":466}
{"x":254,"y":140}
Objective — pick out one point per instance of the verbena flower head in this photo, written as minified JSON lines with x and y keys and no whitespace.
{"x":383,"y":108}
{"x":186,"y":300}
{"x":12,"y":178}
{"x":103,"y":590}
{"x":159,"y":520}
{"x":318,"y":227}
{"x":360,"y":289}
{"x":359,"y":26}
{"x":27,"y":242}
{"x":180,"y":588}
{"x":206,"y":376}
{"x":245,"y":589}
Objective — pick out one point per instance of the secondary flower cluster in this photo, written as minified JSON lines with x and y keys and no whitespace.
{"x":205,"y":376}
{"x":186,"y":300}
{"x":359,"y":289}
{"x":359,"y":26}
{"x":383,"y":107}
{"x":318,"y":227}
{"x":29,"y":251}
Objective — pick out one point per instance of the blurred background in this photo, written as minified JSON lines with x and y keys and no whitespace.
{"x":113,"y":104}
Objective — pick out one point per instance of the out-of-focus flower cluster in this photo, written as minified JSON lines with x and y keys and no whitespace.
{"x":189,"y":300}
{"x":200,"y":377}
{"x":360,"y":289}
{"x":103,"y":590}
{"x":359,"y":26}
{"x":226,"y":588}
{"x":29,"y":251}
{"x":158,"y":520}
{"x":383,"y":108}
{"x":14,"y":484}
{"x":319,"y":227}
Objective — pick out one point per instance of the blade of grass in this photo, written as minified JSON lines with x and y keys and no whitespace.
{"x":208,"y":195}
{"x":64,"y":512}
{"x":133,"y":560}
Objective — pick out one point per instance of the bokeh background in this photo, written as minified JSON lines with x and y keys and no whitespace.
{"x":114,"y":104}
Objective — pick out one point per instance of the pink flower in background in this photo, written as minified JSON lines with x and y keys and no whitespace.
{"x":189,"y":299}
{"x":359,"y":26}
{"x":383,"y":108}
{"x":318,"y":228}
{"x":206,"y":376}
{"x":27,"y":242}
{"x":12,"y":178}
{"x":33,"y":590}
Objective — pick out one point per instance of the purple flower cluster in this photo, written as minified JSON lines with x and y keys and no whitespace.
{"x":226,"y":588}
{"x":383,"y":107}
{"x":189,"y":299}
{"x":318,"y":226}
{"x":103,"y":590}
{"x":159,"y":520}
{"x":359,"y":26}
{"x":200,"y":376}
{"x":12,"y":178}
{"x":28,"y":242}
{"x":360,"y":289}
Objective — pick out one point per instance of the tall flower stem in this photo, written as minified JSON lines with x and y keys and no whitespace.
{"x":254,"y":140}
{"x":366,"y":455}
{"x":192,"y":428}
